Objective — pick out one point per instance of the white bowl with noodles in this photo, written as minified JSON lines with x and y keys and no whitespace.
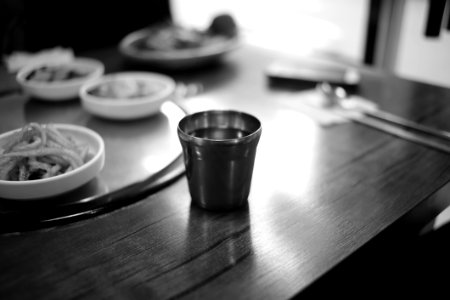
{"x":58,"y":81}
{"x":52,"y":186}
{"x":127,"y":95}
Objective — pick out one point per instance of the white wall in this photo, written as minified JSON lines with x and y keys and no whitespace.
{"x":418,"y":57}
{"x":298,"y":27}
{"x":302,"y":27}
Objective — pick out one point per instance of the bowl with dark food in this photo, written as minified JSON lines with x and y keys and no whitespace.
{"x":127,"y":95}
{"x":44,"y":160}
{"x":56,"y":81}
{"x":171,"y":46}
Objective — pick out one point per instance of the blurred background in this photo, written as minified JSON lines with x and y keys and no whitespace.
{"x":386,"y":34}
{"x":394,"y":35}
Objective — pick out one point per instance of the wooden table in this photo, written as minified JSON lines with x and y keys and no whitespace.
{"x":319,"y":197}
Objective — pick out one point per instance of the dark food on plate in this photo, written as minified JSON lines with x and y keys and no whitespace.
{"x":223,"y":25}
{"x":40,"y":151}
{"x":55,"y":74}
{"x":173,"y":37}
{"x":126,"y":88}
{"x":169,"y":36}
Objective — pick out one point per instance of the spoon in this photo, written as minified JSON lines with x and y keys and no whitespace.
{"x":337,"y":97}
{"x":334,"y":96}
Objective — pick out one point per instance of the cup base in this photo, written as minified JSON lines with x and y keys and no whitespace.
{"x":220,"y":208}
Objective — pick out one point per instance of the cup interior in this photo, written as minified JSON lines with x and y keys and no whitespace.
{"x":219,"y":125}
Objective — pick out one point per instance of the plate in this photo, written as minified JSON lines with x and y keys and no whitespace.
{"x":42,"y":188}
{"x":127,"y":95}
{"x":58,"y":81}
{"x":133,"y":48}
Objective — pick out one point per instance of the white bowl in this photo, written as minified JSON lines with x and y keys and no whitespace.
{"x":42,"y":188}
{"x":176,"y":59}
{"x":126,"y":104}
{"x":62,"y":89}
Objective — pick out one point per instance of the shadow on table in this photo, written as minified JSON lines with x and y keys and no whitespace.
{"x":395,"y":264}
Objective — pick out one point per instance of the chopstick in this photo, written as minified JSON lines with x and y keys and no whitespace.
{"x":386,"y":121}
{"x":411,"y":125}
{"x":401,"y":132}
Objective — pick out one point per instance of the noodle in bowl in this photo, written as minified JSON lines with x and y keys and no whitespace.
{"x":58,"y":184}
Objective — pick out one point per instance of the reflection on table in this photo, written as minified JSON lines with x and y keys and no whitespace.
{"x":320,"y":196}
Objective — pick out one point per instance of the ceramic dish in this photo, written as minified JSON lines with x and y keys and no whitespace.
{"x":127,"y":95}
{"x":175,"y":59}
{"x":54,"y":81}
{"x":42,"y":188}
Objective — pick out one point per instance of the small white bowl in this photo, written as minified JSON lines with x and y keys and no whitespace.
{"x":42,"y":188}
{"x":118,"y":96}
{"x":62,"y":89}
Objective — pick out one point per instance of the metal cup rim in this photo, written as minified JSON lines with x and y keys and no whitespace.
{"x":249,"y":137}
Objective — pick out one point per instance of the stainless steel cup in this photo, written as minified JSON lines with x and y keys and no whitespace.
{"x":219,"y":148}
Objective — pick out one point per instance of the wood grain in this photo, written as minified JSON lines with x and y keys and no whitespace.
{"x":318,"y":196}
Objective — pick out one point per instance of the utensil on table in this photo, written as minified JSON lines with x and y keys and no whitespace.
{"x":384,"y":121}
{"x":338,"y":95}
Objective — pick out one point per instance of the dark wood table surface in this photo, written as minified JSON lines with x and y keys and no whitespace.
{"x":319,"y":196}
